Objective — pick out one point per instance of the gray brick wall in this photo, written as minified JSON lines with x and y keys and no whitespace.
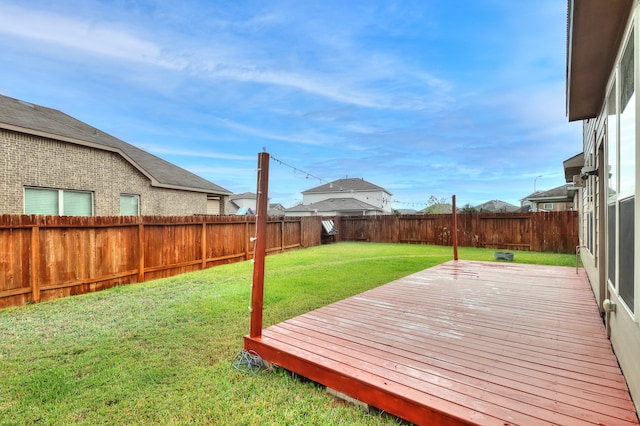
{"x":28,"y":160}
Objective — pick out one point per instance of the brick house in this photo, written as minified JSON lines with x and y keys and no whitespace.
{"x":57,"y":165}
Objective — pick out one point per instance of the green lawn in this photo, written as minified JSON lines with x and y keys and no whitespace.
{"x":162,"y":352}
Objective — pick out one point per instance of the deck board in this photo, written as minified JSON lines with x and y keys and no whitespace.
{"x":464,"y":343}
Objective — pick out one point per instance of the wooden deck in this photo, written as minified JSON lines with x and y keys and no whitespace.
{"x":464,"y":343}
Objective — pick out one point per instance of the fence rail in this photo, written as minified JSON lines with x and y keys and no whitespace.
{"x":47,"y":257}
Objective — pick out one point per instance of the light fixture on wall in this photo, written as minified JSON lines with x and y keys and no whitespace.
{"x":587,"y":171}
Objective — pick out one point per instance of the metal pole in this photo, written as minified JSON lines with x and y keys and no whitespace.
{"x":454,"y":230}
{"x":260,"y":247}
{"x":534,"y":184}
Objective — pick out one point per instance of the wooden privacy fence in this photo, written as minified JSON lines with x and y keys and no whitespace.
{"x":47,"y":257}
{"x":555,"y":232}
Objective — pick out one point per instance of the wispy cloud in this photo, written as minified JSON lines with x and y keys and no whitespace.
{"x":364,"y":86}
{"x":161,"y":149}
{"x":94,"y":37}
{"x":305,"y":138}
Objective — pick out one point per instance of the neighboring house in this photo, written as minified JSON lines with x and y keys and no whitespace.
{"x":573,"y":175}
{"x":245,"y":203}
{"x":275,"y":209}
{"x":572,"y":169}
{"x":241,"y":204}
{"x":553,"y":200}
{"x":602,"y":74}
{"x":54,"y":164}
{"x":496,"y":206}
{"x":347,"y":196}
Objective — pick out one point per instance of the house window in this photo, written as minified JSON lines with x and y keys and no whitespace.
{"x":46,"y":201}
{"x":589,"y":231}
{"x":627,"y":134}
{"x":612,"y":181}
{"x":626,"y":179}
{"x":621,"y":177}
{"x":611,"y":244}
{"x":548,"y":206}
{"x":129,"y":205}
{"x":214,"y":205}
{"x":612,"y":144}
{"x":626,"y":252}
{"x":588,"y":205}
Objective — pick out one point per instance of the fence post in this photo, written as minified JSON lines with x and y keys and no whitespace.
{"x":301,"y":233}
{"x":204,"y":244}
{"x":282,"y":235}
{"x":35,"y":261}
{"x":531,"y":225}
{"x":140,"y":250}
{"x":454,"y":228}
{"x":246,"y":238}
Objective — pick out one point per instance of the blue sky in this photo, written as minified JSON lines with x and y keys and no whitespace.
{"x":425,"y":97}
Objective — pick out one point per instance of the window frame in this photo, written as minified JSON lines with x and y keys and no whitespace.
{"x":132,"y":196}
{"x":60,"y":202}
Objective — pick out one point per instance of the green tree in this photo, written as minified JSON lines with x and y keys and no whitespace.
{"x":468,"y":208}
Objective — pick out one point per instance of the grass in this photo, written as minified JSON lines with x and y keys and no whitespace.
{"x":161,"y":352}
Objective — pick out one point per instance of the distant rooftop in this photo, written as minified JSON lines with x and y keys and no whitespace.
{"x":495,"y":206}
{"x":559,"y":193}
{"x":334,"y":204}
{"x":244,"y":196}
{"x":345,"y":185}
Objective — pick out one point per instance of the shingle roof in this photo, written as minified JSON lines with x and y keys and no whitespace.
{"x":558,"y":193}
{"x":244,"y":196}
{"x":345,"y":185}
{"x":334,"y":204}
{"x":37,"y":120}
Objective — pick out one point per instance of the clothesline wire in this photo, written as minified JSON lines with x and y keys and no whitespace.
{"x":322,"y":180}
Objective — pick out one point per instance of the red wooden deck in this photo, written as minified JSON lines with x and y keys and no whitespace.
{"x":464,"y":343}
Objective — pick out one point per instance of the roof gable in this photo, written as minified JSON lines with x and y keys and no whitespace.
{"x":24,"y":117}
{"x":345,"y":185}
{"x":560,"y":193}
